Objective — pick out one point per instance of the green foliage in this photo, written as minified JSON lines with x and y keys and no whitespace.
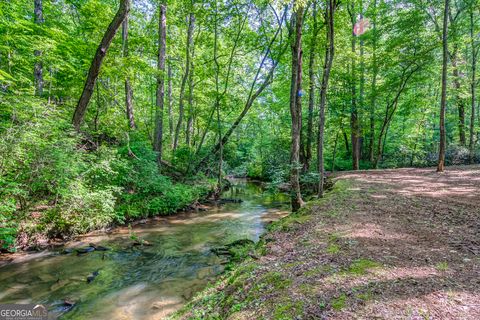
{"x":80,"y":210}
{"x":43,"y":162}
{"x":8,"y":225}
{"x":150,"y":193}
{"x":53,"y":182}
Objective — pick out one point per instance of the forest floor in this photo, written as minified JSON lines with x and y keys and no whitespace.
{"x":384,"y":244}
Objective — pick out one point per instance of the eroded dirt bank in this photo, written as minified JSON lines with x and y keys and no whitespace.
{"x":388,"y":244}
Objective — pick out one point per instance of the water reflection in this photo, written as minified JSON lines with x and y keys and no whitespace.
{"x":142,"y":282}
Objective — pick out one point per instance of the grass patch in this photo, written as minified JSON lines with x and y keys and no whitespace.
{"x":360,"y":266}
{"x":289,"y":222}
{"x":288,"y":310}
{"x":318,"y":270}
{"x":333,"y":248}
{"x":365,"y":296}
{"x":276,"y":280}
{"x":442,"y":266}
{"x":339,"y":302}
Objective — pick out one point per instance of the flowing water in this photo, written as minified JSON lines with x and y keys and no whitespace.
{"x":141,"y":282}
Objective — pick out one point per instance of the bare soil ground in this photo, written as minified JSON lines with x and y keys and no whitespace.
{"x":386,"y":244}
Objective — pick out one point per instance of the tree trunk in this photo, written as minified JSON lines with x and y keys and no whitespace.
{"x":295,"y":109}
{"x":128,"y":87}
{"x":361,"y":98}
{"x":334,"y":154}
{"x":458,"y":98}
{"x":311,"y":94}
{"x":160,"y":96}
{"x":38,"y":70}
{"x":329,"y":52}
{"x":443,"y":138}
{"x":181,"y":105}
{"x":373,"y":93}
{"x":191,"y":84}
{"x":354,"y":123}
{"x":97,"y":63}
{"x":169,"y":101}
{"x":217,"y":103}
{"x":473,"y":83}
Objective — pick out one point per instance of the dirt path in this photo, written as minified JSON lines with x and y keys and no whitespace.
{"x":390,"y":244}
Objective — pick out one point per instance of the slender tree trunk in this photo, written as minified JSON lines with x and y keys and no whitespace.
{"x":217,"y":103}
{"x":334,"y":154}
{"x":473,"y":83}
{"x":295,"y":109}
{"x":97,"y":63}
{"x":170,"y":102}
{"x":458,"y":98}
{"x":160,"y":99}
{"x":311,"y":94}
{"x":443,"y":138}
{"x":347,"y":145}
{"x":373,"y":93}
{"x":361,"y":98}
{"x":354,"y":123}
{"x":329,"y":53}
{"x":38,"y":70}
{"x":191,"y":84}
{"x":181,"y":106}
{"x":128,"y":87}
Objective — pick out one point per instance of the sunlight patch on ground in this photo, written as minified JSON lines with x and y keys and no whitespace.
{"x":374,"y":231}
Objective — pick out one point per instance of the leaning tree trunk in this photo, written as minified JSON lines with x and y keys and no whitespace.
{"x":329,"y":52}
{"x":443,"y":138}
{"x":252,"y":95}
{"x":128,"y":87}
{"x":38,"y":70}
{"x":295,"y":111}
{"x":160,"y":97}
{"x":97,"y":63}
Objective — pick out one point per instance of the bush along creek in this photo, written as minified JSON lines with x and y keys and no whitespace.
{"x":74,"y":192}
{"x":150,"y":268}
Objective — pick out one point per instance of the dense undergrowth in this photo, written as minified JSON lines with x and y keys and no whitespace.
{"x":55,"y":183}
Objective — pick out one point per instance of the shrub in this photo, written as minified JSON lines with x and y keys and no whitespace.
{"x":8,"y":226}
{"x":81,"y":210}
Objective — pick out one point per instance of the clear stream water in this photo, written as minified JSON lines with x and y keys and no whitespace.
{"x":136,"y":282}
